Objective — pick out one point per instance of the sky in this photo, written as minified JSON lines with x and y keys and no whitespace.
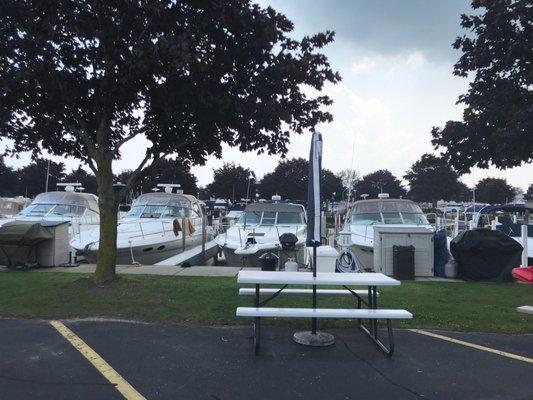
{"x":396,"y":61}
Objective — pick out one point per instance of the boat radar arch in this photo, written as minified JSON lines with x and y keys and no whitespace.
{"x":71,"y":187}
{"x":169,"y":187}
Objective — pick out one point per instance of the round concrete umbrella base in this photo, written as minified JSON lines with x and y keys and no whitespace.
{"x":307,"y":338}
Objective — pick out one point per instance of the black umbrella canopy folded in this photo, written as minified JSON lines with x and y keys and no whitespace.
{"x":23,"y":233}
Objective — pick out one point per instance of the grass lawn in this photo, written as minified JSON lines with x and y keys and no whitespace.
{"x":489,"y":307}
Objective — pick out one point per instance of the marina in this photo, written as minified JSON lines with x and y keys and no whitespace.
{"x":219,"y":200}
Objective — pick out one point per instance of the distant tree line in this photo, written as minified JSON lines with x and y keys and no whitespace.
{"x":30,"y":180}
{"x":428,"y":180}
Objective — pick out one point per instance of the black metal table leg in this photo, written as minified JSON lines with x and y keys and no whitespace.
{"x":370,"y":306}
{"x":372,"y":330}
{"x":387,"y":350}
{"x":359,"y":307}
{"x":375,"y":306}
{"x":257,"y":322}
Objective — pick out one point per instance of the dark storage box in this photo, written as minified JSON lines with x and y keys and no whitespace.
{"x":403,"y":262}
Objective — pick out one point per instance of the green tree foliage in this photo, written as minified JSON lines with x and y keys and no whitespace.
{"x":165,"y":171}
{"x":381,"y":181}
{"x":8,"y":180}
{"x":464,"y":193}
{"x":88,"y":181}
{"x":529,"y":193}
{"x":497,"y":124}
{"x":82,"y":78}
{"x":494,"y":191}
{"x":290,"y":180}
{"x":231,"y":182}
{"x":432,"y":179}
{"x":32,"y":178}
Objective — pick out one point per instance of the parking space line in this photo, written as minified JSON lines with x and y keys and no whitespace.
{"x":475,"y":346}
{"x":98,"y":362}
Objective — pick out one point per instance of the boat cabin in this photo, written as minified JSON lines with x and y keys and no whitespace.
{"x":387,"y":211}
{"x":67,"y":205}
{"x":267,"y":214}
{"x":165,"y":206}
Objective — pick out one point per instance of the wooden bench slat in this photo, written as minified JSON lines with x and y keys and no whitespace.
{"x":322,"y":313}
{"x":301,"y":292}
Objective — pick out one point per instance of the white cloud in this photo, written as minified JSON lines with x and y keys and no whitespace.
{"x":388,"y":64}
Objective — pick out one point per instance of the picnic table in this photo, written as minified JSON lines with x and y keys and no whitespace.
{"x":349,"y":282}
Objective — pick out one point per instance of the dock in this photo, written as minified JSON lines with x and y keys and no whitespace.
{"x":194,"y":256}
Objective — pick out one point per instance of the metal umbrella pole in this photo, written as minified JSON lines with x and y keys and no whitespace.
{"x":314,"y":321}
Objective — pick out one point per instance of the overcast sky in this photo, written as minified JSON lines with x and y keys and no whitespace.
{"x":396,"y":59}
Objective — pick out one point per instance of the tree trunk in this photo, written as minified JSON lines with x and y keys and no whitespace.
{"x":108,"y":205}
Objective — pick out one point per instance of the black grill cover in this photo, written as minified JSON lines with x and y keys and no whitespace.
{"x":486,"y":255}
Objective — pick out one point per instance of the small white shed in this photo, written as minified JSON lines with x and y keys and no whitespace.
{"x":421,"y":238}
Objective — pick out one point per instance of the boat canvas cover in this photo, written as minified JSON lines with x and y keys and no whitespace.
{"x":486,"y":255}
{"x":21,"y":233}
{"x":165,"y":199}
{"x":87,"y":200}
{"x":274,"y":207}
{"x":506,"y":207}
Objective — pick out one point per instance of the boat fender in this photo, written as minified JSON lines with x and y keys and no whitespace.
{"x":176,"y":227}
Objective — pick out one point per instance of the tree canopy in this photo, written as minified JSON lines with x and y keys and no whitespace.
{"x":88,"y":181}
{"x":8,"y":180}
{"x":497,"y":126}
{"x":31,"y":179}
{"x":432,"y":179}
{"x":289,"y":179}
{"x":83,"y":78}
{"x":381,"y":181}
{"x":494,"y":191}
{"x":165,"y":171}
{"x":529,"y":193}
{"x":231,"y":182}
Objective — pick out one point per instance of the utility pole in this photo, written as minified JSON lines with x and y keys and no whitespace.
{"x":47,"y":175}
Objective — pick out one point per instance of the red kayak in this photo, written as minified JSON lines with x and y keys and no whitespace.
{"x":524,"y":275}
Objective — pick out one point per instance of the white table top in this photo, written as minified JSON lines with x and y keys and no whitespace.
{"x":322,"y":278}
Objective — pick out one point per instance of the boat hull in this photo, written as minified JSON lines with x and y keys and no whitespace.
{"x":148,"y":254}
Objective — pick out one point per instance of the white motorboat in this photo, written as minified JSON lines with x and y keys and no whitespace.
{"x":364,"y":215}
{"x":80,"y":210}
{"x":159,"y":225}
{"x":258,"y":231}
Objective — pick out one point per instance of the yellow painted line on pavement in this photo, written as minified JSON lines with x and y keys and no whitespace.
{"x":475,"y":346}
{"x":98,"y":362}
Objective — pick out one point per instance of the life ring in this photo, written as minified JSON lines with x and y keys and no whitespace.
{"x":176,"y":227}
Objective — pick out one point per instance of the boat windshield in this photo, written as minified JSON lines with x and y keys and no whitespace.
{"x":392,"y":212}
{"x":270,"y":218}
{"x":158,"y":211}
{"x":63,"y":210}
{"x":37,"y":210}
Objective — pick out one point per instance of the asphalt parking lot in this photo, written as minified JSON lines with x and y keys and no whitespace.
{"x":163,"y":361}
